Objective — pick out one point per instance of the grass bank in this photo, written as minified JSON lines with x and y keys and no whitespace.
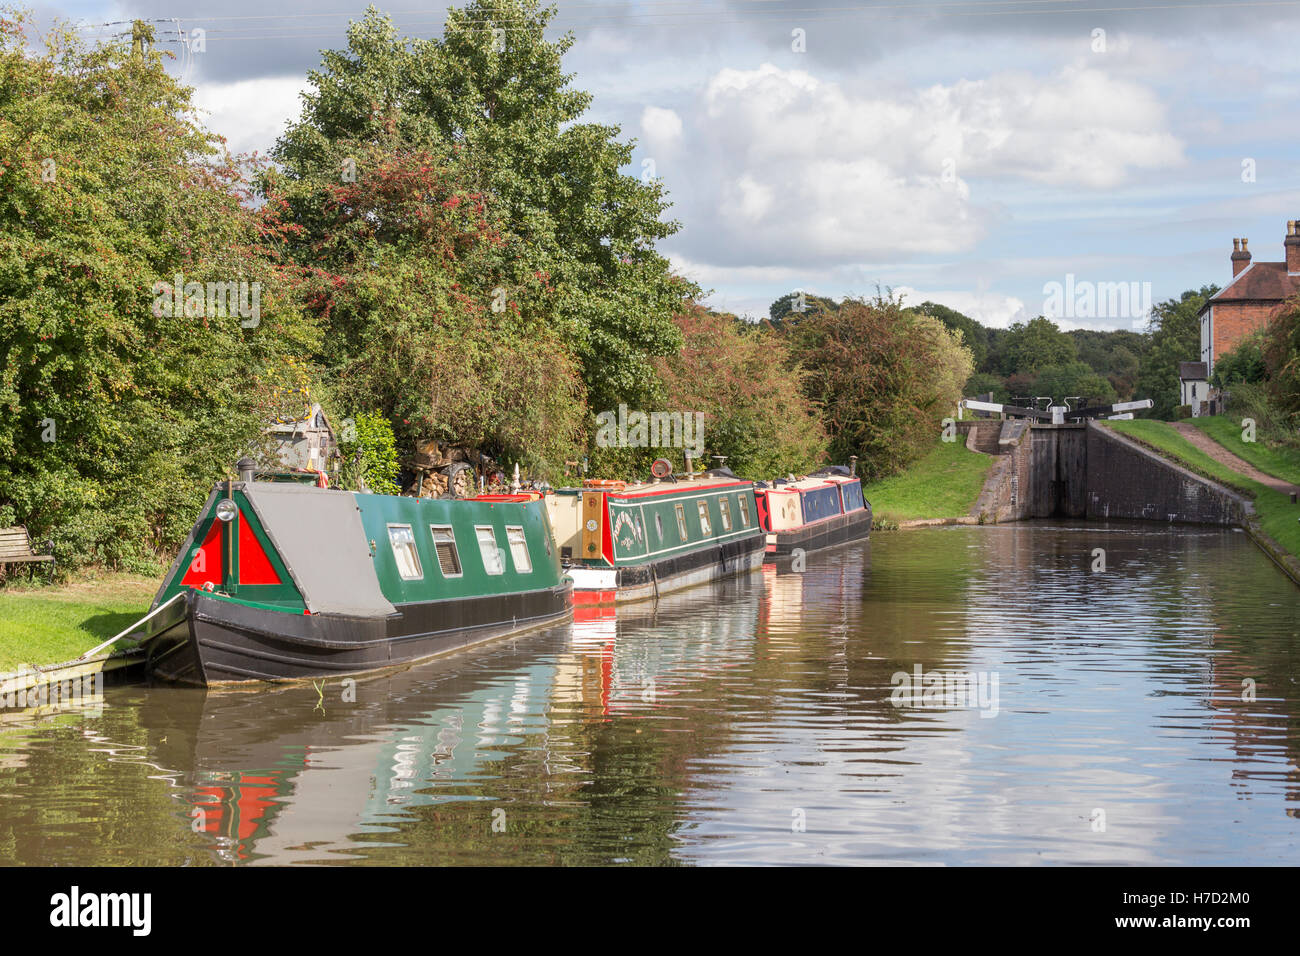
{"x":1277,"y":516}
{"x":47,"y":625}
{"x":1280,"y":461}
{"x":942,"y":484}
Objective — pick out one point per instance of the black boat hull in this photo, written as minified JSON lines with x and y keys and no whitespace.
{"x":822,"y":534}
{"x":221,"y":642}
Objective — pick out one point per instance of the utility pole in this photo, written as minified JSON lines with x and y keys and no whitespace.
{"x":141,"y":33}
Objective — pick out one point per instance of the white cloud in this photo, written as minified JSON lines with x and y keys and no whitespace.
{"x":809,"y":171}
{"x":251,"y":114}
{"x":661,"y":128}
{"x":988,"y":308}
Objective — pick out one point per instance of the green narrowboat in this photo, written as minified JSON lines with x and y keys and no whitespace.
{"x":625,"y":542}
{"x":282,"y":581}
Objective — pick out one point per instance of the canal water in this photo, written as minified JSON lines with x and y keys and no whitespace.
{"x":970,"y":695}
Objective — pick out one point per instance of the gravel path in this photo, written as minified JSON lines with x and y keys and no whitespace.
{"x":1224,"y":457}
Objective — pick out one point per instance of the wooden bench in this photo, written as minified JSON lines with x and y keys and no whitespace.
{"x":16,"y":548}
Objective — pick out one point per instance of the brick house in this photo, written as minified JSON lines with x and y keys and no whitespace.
{"x":1258,"y":291}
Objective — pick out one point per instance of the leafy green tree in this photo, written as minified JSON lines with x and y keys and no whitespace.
{"x":744,"y":381}
{"x":884,"y":377}
{"x":794,"y":306}
{"x":974,"y":335}
{"x":982,"y":383}
{"x":117,"y":411}
{"x":1071,"y":380}
{"x":371,"y":456}
{"x":1245,"y":363}
{"x":398,"y":257}
{"x":495,"y":100}
{"x":1175,"y":337}
{"x":1035,"y":345}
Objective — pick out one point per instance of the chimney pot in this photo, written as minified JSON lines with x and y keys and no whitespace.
{"x":1292,"y":247}
{"x":1240,"y":257}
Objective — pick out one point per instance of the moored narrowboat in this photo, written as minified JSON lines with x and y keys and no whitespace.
{"x":631,"y":542}
{"x":289,"y":582}
{"x":823,"y":509}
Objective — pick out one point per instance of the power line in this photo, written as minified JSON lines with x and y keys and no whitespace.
{"x":952,"y":8}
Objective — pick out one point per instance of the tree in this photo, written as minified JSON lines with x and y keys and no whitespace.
{"x":1245,"y":363}
{"x":794,"y":306}
{"x":884,"y":377}
{"x":974,"y":335}
{"x":120,"y":409}
{"x":1175,"y":337}
{"x":1036,"y":344}
{"x":1074,"y":379}
{"x":397,"y":257}
{"x":746,"y":384}
{"x":495,"y":99}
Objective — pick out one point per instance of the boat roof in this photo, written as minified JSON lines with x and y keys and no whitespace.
{"x":813,"y":481}
{"x":322,"y":542}
{"x":645,"y":489}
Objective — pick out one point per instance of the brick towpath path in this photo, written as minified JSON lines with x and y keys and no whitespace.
{"x":1224,"y":457}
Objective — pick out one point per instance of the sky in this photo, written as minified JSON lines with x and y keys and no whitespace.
{"x":1006,"y":159}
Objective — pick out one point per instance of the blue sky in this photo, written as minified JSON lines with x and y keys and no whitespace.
{"x":966,"y":152}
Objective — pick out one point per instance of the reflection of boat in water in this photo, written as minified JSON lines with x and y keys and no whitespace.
{"x":273,"y":778}
{"x":623,"y":663}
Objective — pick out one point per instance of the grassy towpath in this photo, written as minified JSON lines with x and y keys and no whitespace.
{"x":41,"y":626}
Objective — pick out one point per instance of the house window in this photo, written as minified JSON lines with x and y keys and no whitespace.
{"x":724,"y":505}
{"x":402,"y":539}
{"x":444,"y":543}
{"x":487,"y":547}
{"x":681,"y":521}
{"x":705,"y":527}
{"x":519,"y":550}
{"x":744,"y":512}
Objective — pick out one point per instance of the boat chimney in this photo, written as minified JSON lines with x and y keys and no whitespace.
{"x":690,"y":473}
{"x":246,"y":467}
{"x":514,"y":484}
{"x":853,"y":465}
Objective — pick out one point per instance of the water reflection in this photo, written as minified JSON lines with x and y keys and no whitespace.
{"x":749,"y":723}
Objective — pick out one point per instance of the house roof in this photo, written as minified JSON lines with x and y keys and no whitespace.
{"x":1191,"y":371}
{"x":1258,"y":282}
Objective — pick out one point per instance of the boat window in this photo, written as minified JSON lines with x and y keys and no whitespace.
{"x":519,"y":550}
{"x":744,"y":512}
{"x":444,"y":543}
{"x":724,"y":505}
{"x":681,"y":520}
{"x":704,"y":517}
{"x":402,"y":539}
{"x":659,"y":528}
{"x":487,"y":546}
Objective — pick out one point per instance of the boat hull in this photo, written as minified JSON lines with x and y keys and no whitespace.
{"x":222,"y":641}
{"x":641,"y":582}
{"x":826,"y":533}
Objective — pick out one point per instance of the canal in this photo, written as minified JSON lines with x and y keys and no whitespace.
{"x":1129,"y":705}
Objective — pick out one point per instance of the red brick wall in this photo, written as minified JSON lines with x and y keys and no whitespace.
{"x":1233,"y":321}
